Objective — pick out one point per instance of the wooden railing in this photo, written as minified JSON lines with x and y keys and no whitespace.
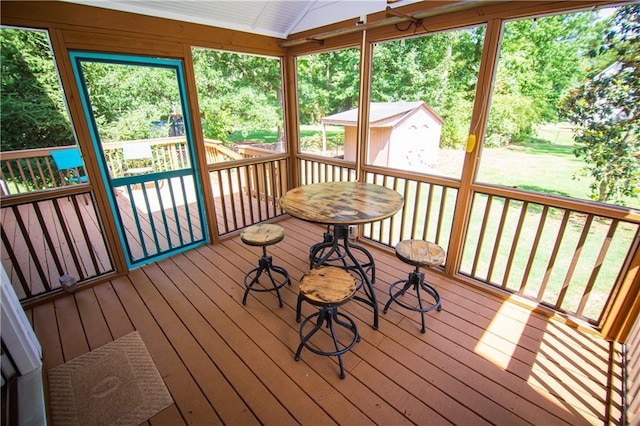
{"x":29,"y":170}
{"x":34,"y":169}
{"x":427,"y":213}
{"x":566,"y":254}
{"x":51,"y":238}
{"x":319,"y":169}
{"x":560,"y":254}
{"x":247,"y":192}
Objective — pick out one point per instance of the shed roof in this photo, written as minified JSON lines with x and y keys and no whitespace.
{"x":381,"y":114}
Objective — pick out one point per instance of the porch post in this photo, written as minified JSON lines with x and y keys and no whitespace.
{"x":624,"y":308}
{"x":292,"y":131}
{"x":362,"y":141}
{"x":491,"y":49}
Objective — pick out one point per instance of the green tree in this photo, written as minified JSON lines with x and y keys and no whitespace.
{"x":328,"y":83}
{"x":238,"y":92}
{"x":127,"y":99}
{"x":540,"y":60}
{"x":33,"y":109}
{"x":606,"y":109}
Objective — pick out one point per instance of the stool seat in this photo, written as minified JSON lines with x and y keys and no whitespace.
{"x":420,"y":253}
{"x":264,"y":234}
{"x":275,"y":277}
{"x":327,"y":287}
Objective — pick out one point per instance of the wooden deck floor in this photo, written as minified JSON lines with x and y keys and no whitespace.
{"x":482,"y":360}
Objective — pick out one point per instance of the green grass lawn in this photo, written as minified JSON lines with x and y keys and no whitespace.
{"x":546,"y":164}
{"x":334,"y":133}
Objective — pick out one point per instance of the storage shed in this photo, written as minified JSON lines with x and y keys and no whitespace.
{"x":404,"y":135}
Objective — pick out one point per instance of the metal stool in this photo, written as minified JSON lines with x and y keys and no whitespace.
{"x":327,"y":287}
{"x":420,"y":254}
{"x":262,"y":236}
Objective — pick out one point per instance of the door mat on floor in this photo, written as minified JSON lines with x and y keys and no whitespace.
{"x":116,"y":384}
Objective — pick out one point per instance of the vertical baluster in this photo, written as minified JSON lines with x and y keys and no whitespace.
{"x":14,"y":262}
{"x":514,"y":244}
{"x":574,"y":261}
{"x":534,"y":249}
{"x":150,"y":217}
{"x":427,"y":215}
{"x":498,"y":239}
{"x":405,"y":210}
{"x":599,"y":261}
{"x":134,"y":213}
{"x":249,"y":195}
{"x":256,"y":174}
{"x":187,"y":209}
{"x":417,"y":197}
{"x":232,"y":200}
{"x":272,"y":184}
{"x":68,"y":239}
{"x":483,"y":229}
{"x":163,"y":214}
{"x":443,"y":204}
{"x":32,"y":252}
{"x":241,"y":194}
{"x":554,"y":254}
{"x":176,"y":213}
{"x":223,"y":202}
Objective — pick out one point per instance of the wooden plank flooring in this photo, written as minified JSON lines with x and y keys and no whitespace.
{"x":482,"y":360}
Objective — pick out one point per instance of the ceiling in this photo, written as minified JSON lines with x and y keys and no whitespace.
{"x":276,"y":18}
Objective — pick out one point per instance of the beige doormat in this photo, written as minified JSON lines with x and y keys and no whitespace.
{"x":117,"y":384}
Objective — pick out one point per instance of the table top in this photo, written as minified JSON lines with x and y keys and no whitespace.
{"x":345,"y":203}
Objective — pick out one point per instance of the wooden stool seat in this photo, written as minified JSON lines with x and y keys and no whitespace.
{"x":418,"y":253}
{"x":264,"y":234}
{"x":327,"y":287}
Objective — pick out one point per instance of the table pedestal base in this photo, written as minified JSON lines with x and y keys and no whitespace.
{"x":337,"y":250}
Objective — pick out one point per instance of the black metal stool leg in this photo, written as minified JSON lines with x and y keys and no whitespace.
{"x":421,"y":310}
{"x":258,"y":271}
{"x":299,"y":308}
{"x":265,"y":264}
{"x":392,"y":296}
{"x":305,"y":338}
{"x":335,"y":343}
{"x":329,"y":315}
{"x":415,"y":280}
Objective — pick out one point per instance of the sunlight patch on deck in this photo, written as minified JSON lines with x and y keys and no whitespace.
{"x":498,"y":343}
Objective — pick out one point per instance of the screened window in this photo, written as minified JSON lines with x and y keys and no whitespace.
{"x":422,"y":95}
{"x":564,"y":113}
{"x":328,"y":84}
{"x":34,"y":121}
{"x":240,"y":99}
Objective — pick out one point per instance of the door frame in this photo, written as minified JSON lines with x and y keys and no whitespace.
{"x":76,"y":57}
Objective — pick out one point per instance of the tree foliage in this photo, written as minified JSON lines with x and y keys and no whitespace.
{"x":328,"y":83}
{"x":237,"y":93}
{"x":127,"y":100}
{"x":33,"y":111}
{"x":606,"y":109}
